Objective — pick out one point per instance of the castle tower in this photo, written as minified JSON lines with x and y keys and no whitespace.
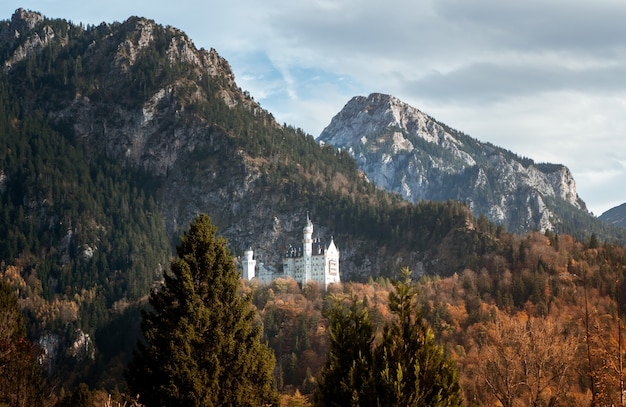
{"x":249,"y":264}
{"x":307,"y":249}
{"x":331,"y":270}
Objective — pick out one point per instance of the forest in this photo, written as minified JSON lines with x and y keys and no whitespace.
{"x":532,"y":319}
{"x":537,"y":323}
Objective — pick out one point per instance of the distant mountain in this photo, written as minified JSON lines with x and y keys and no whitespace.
{"x":405,"y":151}
{"x":615,"y":216}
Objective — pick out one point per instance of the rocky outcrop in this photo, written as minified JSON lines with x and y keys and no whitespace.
{"x":403,"y":150}
{"x":39,"y":35}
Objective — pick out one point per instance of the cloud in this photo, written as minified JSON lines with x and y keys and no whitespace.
{"x":491,"y":82}
{"x":577,"y":25}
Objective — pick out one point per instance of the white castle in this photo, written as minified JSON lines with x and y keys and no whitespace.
{"x":313,"y":261}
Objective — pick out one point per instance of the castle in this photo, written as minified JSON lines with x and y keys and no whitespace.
{"x":313,"y":261}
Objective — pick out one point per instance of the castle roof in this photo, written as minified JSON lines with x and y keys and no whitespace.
{"x":318,"y":249}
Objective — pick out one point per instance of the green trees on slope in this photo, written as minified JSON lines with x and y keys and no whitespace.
{"x":202,"y":345}
{"x":407,"y":367}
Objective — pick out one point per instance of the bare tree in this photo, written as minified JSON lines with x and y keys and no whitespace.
{"x":524,"y":362}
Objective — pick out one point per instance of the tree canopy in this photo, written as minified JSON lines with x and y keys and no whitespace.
{"x":202,"y":347}
{"x":346,"y":379}
{"x":407,"y":367}
{"x":414,"y":371}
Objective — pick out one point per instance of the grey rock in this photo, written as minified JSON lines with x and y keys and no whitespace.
{"x":403,"y":150}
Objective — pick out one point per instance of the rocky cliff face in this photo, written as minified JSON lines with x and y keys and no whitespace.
{"x":155,"y":130}
{"x":143,"y":133}
{"x":403,"y":150}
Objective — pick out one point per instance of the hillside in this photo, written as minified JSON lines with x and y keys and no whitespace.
{"x":615,"y":216}
{"x":405,"y":151}
{"x":141,"y":96}
{"x":118,"y":134}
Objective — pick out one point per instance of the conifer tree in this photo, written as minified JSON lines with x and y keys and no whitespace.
{"x":407,"y":367}
{"x":201,"y":346}
{"x":413,"y":370}
{"x":346,"y":379}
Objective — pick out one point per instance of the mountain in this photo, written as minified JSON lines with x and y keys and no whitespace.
{"x":405,"y":151}
{"x":142,"y":97}
{"x":115,"y":136}
{"x":615,"y":216}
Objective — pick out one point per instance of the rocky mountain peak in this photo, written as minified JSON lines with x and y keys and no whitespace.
{"x":141,"y":33}
{"x":27,"y":30}
{"x":139,"y":36}
{"x":23,"y":20}
{"x":377,"y":117}
{"x":150,"y":78}
{"x":403,"y":150}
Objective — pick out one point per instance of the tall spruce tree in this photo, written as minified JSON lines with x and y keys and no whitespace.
{"x":406,"y":368}
{"x":346,"y":379}
{"x":413,"y":370}
{"x":201,"y":346}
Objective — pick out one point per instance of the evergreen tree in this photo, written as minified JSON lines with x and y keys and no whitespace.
{"x":407,"y":368}
{"x":201,"y":345}
{"x":346,"y":379}
{"x":81,"y":397}
{"x":413,"y":370}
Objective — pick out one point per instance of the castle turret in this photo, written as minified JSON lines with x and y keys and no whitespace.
{"x":307,"y":242}
{"x":249,"y":264}
{"x":307,"y":249}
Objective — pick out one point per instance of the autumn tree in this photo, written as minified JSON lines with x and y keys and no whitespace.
{"x":525,"y":361}
{"x":22,"y":378}
{"x":604,"y":339}
{"x":201,"y":346}
{"x":406,"y":368}
{"x":81,"y":397}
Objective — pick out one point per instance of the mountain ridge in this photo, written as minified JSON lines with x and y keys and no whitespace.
{"x":403,"y":150}
{"x":615,"y":216}
{"x":144,"y":96}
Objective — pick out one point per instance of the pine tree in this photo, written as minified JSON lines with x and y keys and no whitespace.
{"x":201,"y":345}
{"x":413,"y":370}
{"x":407,"y":367}
{"x":346,"y":379}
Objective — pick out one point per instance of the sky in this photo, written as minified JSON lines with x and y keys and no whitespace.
{"x":544,"y":79}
